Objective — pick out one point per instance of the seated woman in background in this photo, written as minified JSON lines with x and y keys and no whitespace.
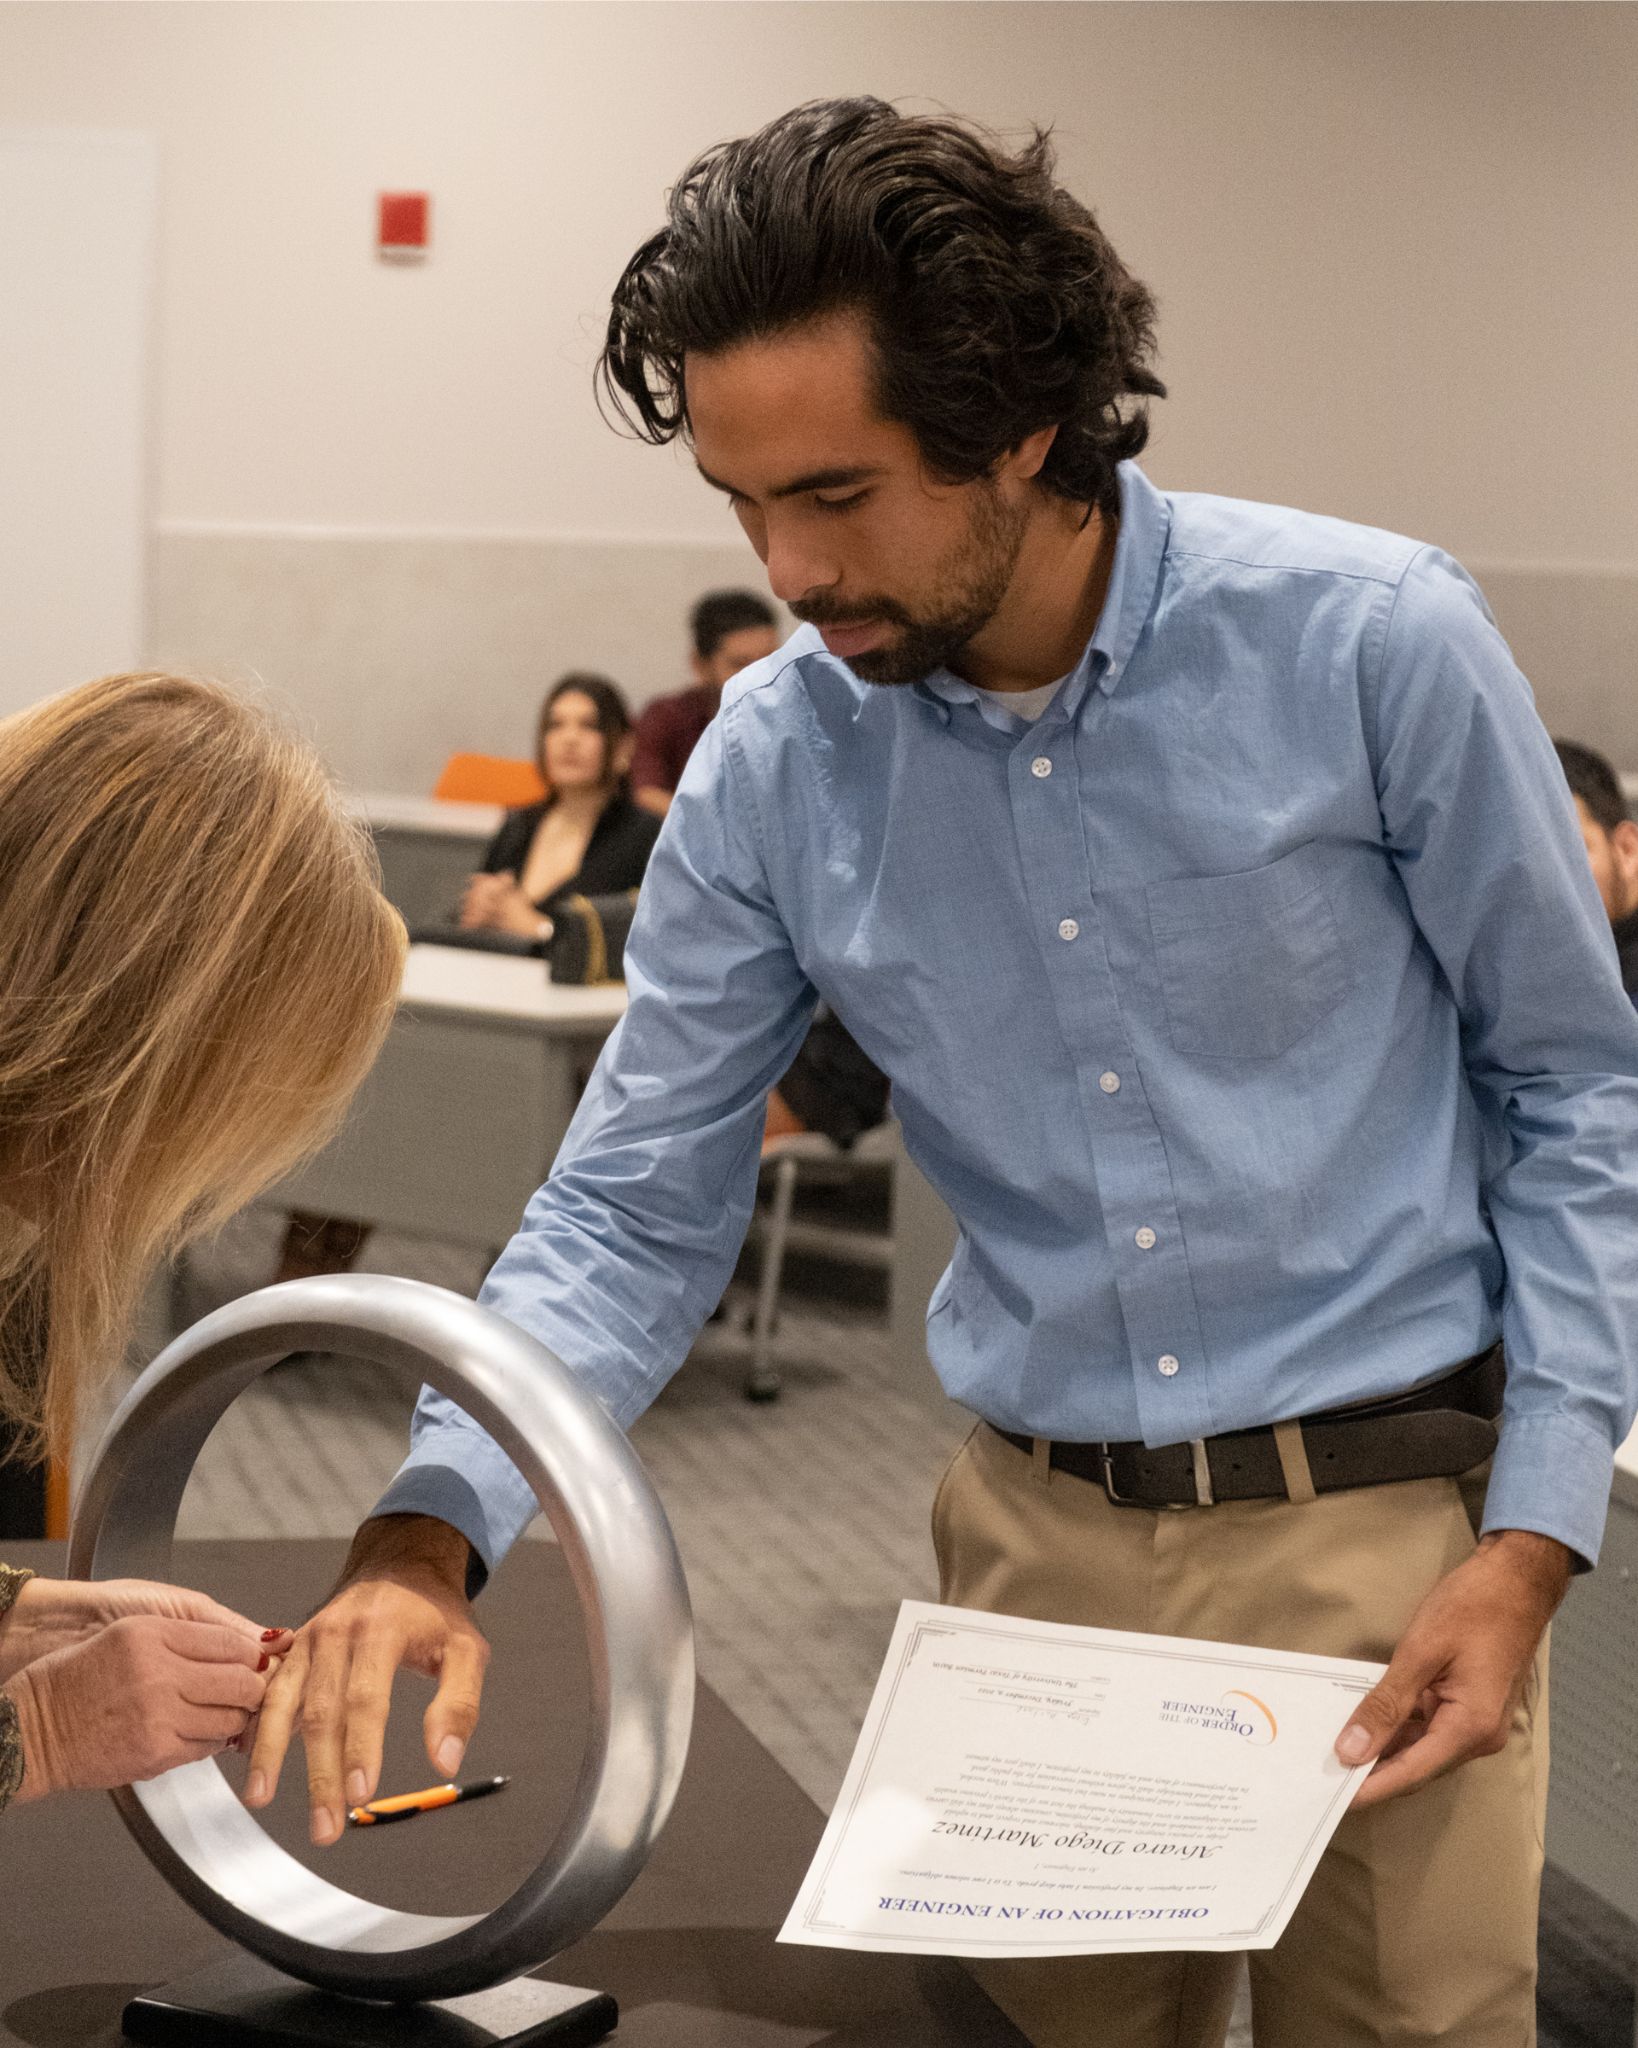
{"x":587,"y":838}
{"x":196,"y":970}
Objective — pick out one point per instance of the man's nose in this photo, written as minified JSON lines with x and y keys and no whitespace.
{"x":796,"y":570}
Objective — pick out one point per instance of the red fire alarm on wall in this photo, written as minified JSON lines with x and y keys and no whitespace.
{"x":403,"y":226}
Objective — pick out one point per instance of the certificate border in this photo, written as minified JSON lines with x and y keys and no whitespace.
{"x":812,"y":1918}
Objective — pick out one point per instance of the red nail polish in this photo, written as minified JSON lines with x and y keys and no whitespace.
{"x":264,"y":1661}
{"x":271,"y":1635}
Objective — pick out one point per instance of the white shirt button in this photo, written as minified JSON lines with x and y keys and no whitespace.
{"x":1069,"y":929}
{"x":1040,"y":767}
{"x":1145,"y":1239}
{"x":1168,"y":1366}
{"x":1109,"y":1083}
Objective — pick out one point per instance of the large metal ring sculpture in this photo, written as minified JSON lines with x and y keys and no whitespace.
{"x":620,"y":1551}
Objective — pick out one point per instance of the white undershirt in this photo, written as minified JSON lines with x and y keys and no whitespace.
{"x":1025,"y":704}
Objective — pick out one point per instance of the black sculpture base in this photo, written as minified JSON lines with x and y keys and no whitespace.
{"x":245,"y":2003}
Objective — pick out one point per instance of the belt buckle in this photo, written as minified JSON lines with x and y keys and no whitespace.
{"x":1204,"y":1497}
{"x":1120,"y":1500}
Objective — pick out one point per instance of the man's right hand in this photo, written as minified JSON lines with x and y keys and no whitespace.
{"x":401,"y":1601}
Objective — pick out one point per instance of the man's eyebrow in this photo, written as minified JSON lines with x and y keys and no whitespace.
{"x":815,"y":480}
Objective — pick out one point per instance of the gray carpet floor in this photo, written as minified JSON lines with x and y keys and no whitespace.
{"x":802,"y":1524}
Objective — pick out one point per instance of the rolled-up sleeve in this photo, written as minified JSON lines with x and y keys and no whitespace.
{"x":625,"y":1251}
{"x":1482,"y":829}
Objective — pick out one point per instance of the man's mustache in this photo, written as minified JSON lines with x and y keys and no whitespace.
{"x":885,"y":612}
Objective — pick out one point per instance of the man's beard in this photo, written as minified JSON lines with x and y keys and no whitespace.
{"x":971,"y":586}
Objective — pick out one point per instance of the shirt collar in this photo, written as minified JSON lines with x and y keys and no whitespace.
{"x":1140,"y":548}
{"x":1134,"y":576}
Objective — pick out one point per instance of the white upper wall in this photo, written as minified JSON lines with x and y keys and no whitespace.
{"x":1393,"y":244}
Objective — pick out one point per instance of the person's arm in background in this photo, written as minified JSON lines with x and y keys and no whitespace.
{"x":655,"y":772}
{"x":1480,"y":824}
{"x":621,"y":1257}
{"x":498,"y":872}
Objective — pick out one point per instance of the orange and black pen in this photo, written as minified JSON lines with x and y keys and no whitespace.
{"x":408,"y":1804}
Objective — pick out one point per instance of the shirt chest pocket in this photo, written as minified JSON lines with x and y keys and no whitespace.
{"x":1248,"y":963}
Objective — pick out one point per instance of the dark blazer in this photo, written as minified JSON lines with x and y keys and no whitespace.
{"x":616,"y":854}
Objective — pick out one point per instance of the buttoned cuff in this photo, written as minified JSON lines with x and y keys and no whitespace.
{"x":464,"y":1478}
{"x":1553,"y":1476}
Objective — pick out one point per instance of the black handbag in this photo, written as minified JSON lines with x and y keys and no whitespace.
{"x":588,"y":942}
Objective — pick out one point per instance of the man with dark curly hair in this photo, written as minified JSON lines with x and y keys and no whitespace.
{"x":1200,"y":876}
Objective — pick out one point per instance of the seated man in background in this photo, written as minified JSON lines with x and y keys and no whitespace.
{"x":731,"y":629}
{"x":1612,"y":847}
{"x":831,"y":1086}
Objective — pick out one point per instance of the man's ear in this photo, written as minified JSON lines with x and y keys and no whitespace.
{"x":1624,"y":840}
{"x":1025,"y":462}
{"x":700,"y":667}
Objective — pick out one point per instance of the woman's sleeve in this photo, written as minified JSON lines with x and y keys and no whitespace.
{"x":12,"y":1581}
{"x":509,"y":845}
{"x":11,"y":1752}
{"x":617,"y":857}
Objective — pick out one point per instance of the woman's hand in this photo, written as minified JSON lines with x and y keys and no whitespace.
{"x":511,"y":911}
{"x":495,"y":903}
{"x":475,"y":901}
{"x":54,"y":1614}
{"x":139,"y":1697}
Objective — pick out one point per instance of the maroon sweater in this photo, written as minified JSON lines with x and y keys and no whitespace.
{"x":668,"y":731}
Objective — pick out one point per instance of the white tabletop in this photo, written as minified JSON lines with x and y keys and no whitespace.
{"x":502,"y":987}
{"x":383,"y":809}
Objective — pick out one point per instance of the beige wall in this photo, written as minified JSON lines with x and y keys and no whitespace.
{"x":1393,"y":246}
{"x":395,"y":652}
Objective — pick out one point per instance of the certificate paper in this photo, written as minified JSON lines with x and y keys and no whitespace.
{"x":1025,"y":1788}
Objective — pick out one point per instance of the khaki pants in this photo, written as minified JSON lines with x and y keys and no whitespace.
{"x":1420,"y":1923}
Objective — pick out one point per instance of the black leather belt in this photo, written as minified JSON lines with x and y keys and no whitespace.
{"x":1433,"y":1431}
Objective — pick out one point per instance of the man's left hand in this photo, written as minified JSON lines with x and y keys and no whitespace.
{"x":1450,"y":1692}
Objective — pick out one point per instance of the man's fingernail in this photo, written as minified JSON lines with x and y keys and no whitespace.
{"x":450,"y":1752}
{"x":256,"y":1788}
{"x":1354,"y":1744}
{"x":358,"y":1788}
{"x":326,"y":1826}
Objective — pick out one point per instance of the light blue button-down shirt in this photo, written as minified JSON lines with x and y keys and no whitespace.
{"x":1253,"y":1010}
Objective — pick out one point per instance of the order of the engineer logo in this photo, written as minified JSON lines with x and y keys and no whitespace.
{"x":1237,"y":1713}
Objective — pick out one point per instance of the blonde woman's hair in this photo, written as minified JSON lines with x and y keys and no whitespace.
{"x":197,"y":968}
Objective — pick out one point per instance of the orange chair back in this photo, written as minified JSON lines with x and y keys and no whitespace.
{"x":489,"y":779}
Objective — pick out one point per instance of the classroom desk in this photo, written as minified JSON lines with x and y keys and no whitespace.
{"x":689,"y":1953}
{"x":463,"y":1113}
{"x":427,"y":848}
